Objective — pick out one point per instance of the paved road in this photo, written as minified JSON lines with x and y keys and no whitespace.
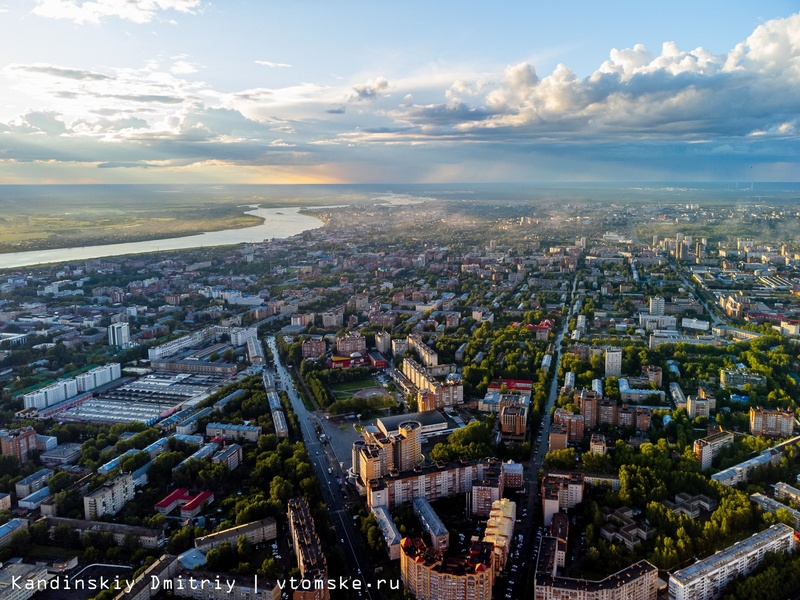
{"x":530,"y":499}
{"x":322,"y":458}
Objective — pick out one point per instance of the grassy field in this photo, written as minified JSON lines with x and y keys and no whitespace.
{"x":343,"y":391}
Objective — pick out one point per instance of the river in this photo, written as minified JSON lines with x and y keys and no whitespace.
{"x":278,"y":223}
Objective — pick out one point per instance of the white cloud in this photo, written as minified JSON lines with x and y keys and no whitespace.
{"x":137,"y":11}
{"x":370,"y":90}
{"x":272,"y":65}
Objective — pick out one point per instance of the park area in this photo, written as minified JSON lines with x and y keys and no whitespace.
{"x":357,"y":389}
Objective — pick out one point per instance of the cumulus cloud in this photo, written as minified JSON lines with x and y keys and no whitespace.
{"x":639,"y":106}
{"x":635,"y":94}
{"x":137,"y":11}
{"x":370,"y":90}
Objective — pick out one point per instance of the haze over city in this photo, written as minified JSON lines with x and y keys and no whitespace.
{"x":178,"y":91}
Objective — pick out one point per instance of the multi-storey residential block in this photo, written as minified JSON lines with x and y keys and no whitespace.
{"x":737,"y":378}
{"x":771,"y":423}
{"x":255,"y":532}
{"x":19,"y":443}
{"x":433,"y":482}
{"x":314,"y":347}
{"x":706,"y":579}
{"x":500,"y":532}
{"x":229,"y":431}
{"x":119,"y":335}
{"x":391,"y":535}
{"x":708,"y":448}
{"x":613,"y":362}
{"x":109,"y":498}
{"x":306,"y":543}
{"x":430,"y":521}
{"x":560,"y":491}
{"x":350,"y":343}
{"x":427,"y":574}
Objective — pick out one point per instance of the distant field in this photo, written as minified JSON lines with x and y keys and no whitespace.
{"x":43,"y":217}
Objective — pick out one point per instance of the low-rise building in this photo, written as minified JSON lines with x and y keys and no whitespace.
{"x":389,"y":530}
{"x":230,"y":431}
{"x":256,"y":532}
{"x":430,"y":521}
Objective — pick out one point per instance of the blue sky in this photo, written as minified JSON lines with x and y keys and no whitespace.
{"x":150,"y":91}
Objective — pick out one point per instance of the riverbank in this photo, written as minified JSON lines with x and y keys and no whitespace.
{"x":275,"y":223}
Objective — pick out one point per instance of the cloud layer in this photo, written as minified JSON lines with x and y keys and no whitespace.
{"x":640,"y":114}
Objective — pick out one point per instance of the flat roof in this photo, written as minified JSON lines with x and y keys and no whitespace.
{"x":755,"y":540}
{"x":429,"y":419}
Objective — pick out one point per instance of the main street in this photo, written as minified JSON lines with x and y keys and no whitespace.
{"x":354,"y":551}
{"x":530,"y":500}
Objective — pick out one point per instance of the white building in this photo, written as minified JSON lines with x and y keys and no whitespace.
{"x":657,"y":305}
{"x":613,"y":362}
{"x":119,"y":335}
{"x":706,"y":579}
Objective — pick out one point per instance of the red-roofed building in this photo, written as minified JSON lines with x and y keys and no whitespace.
{"x":189,"y":503}
{"x":511,"y":385}
{"x":191,"y":508}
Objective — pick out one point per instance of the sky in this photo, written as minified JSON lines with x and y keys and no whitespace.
{"x":257,"y":91}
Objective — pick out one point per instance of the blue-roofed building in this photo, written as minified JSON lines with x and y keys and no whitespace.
{"x":204,"y":452}
{"x":157,"y":447}
{"x":192,"y":559}
{"x":192,"y":440}
{"x":189,"y":426}
{"x":114,"y":462}
{"x":35,"y":500}
{"x":31,"y":483}
{"x":220,"y":406}
{"x":9,"y":528}
{"x":140,"y":475}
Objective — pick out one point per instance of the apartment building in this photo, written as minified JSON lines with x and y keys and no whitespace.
{"x":560,"y":491}
{"x":708,"y":448}
{"x":430,"y":521}
{"x":19,"y":443}
{"x":767,"y":422}
{"x":706,"y":579}
{"x":307,"y":545}
{"x":256,"y":532}
{"x":109,"y":498}
{"x":431,"y":482}
{"x":314,"y":347}
{"x":427,"y":574}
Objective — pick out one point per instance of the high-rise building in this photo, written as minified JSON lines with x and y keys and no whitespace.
{"x":427,"y":574}
{"x":19,"y":443}
{"x":657,"y":305}
{"x":771,"y":423}
{"x":119,"y":335}
{"x":109,"y":498}
{"x":613,"y":362}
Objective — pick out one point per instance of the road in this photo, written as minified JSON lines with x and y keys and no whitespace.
{"x":320,"y":455}
{"x":530,"y":500}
